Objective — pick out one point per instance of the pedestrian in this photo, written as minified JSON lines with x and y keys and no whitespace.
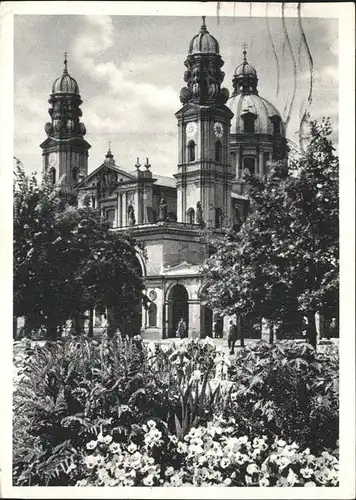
{"x":232,"y":337}
{"x":218,"y":329}
{"x":181,"y":329}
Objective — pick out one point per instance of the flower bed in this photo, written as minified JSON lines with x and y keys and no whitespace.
{"x":118,"y":413}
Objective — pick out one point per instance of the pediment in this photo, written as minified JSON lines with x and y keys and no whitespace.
{"x":109,"y":174}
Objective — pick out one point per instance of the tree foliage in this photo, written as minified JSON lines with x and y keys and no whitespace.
{"x":283,"y":263}
{"x":66,"y":260}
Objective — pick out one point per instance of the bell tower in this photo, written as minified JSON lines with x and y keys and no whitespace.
{"x":65,"y":151}
{"x":204,"y":177}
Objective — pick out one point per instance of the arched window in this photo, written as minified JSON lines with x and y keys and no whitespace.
{"x":75,"y":172}
{"x":110,"y":216}
{"x":265,"y":160}
{"x":249,"y":163}
{"x":152,"y":315}
{"x":218,"y":150}
{"x":52,"y":175}
{"x":218,"y":217}
{"x":249,"y":124}
{"x":276,"y":122}
{"x":191,"y":215}
{"x":191,"y":151}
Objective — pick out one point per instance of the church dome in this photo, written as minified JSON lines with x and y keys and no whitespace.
{"x":266,"y":118}
{"x":203,"y":42}
{"x":65,"y":83}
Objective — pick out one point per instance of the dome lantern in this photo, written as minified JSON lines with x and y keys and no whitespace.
{"x":245,"y":77}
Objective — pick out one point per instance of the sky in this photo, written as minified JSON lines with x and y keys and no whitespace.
{"x":130,"y":70}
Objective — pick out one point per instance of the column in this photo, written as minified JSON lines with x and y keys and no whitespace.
{"x":260,"y":163}
{"x":194,"y":318}
{"x":124,"y":210}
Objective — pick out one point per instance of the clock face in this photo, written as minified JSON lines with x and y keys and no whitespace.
{"x":52,"y":160}
{"x":218,"y":129}
{"x":191,"y":129}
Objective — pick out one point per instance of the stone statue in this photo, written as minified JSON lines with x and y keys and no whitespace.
{"x":162,"y":209}
{"x":131,"y":215}
{"x":199,"y":214}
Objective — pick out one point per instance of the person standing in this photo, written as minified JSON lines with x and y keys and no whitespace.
{"x":182,"y":329}
{"x":232,"y":337}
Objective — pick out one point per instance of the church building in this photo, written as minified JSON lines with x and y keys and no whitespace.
{"x":174,"y":217}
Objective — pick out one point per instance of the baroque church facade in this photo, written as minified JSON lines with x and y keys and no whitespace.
{"x":174,"y":217}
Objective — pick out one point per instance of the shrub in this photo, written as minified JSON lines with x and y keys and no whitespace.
{"x":68,"y":392}
{"x":287,"y":390}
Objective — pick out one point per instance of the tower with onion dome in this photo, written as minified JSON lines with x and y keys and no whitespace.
{"x":257,"y":134}
{"x":65,"y":151}
{"x":204,"y":174}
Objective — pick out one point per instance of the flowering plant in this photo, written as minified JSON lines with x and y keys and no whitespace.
{"x":211,"y":455}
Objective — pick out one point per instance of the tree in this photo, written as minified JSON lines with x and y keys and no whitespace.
{"x":283,"y":263}
{"x":66,"y":260}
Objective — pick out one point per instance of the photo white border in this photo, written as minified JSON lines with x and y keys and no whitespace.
{"x":345,"y":13}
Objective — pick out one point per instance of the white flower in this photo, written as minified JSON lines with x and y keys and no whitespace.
{"x":151,"y":424}
{"x":91,"y":445}
{"x":100,"y":437}
{"x":227,"y":481}
{"x":107,"y":439}
{"x":148,"y":481}
{"x":90,"y":461}
{"x":103,"y":475}
{"x":281,"y":443}
{"x":292,"y":478}
{"x":82,"y":482}
{"x":309,"y":484}
{"x":252,"y":469}
{"x":306,"y":472}
{"x":132,"y":447}
{"x":263,"y":482}
{"x":224,"y":462}
{"x":182,"y":448}
{"x":115,"y":448}
{"x":169,"y":471}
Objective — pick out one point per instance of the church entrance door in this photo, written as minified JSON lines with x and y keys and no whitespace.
{"x":177,"y":309}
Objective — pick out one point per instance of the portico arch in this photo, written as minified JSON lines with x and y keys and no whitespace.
{"x":177,"y":300}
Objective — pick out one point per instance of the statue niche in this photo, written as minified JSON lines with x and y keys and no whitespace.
{"x":131,"y":215}
{"x":162,"y":211}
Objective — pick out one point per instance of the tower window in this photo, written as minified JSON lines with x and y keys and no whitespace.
{"x":52,"y":175}
{"x":191,"y":215}
{"x":191,"y":151}
{"x":75,"y":174}
{"x":265,"y":160}
{"x":276,"y":122}
{"x":249,"y":125}
{"x":152,"y":315}
{"x":249,"y":163}
{"x":218,"y":217}
{"x":218,"y":151}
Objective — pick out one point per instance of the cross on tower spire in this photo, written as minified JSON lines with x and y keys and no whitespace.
{"x":203,"y":26}
{"x":65,"y":62}
{"x":244,"y":48}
